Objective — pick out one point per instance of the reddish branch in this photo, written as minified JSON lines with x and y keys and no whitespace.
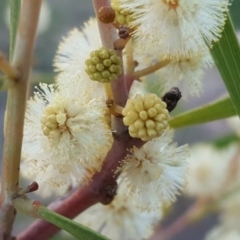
{"x":109,"y":35}
{"x":102,"y":189}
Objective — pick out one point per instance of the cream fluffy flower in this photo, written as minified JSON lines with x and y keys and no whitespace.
{"x":234,"y":124}
{"x":190,"y":71}
{"x":120,"y":220}
{"x":156,"y":172}
{"x":178,"y":28}
{"x":70,"y":59}
{"x":59,"y":180}
{"x":208,"y":169}
{"x":137,"y":88}
{"x":66,"y":133}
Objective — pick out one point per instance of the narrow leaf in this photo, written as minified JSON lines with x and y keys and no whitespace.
{"x":219,"y":109}
{"x":77,"y":230}
{"x":15,"y":6}
{"x":226,"y":55}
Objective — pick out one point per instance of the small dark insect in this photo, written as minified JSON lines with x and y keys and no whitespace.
{"x":171,"y":98}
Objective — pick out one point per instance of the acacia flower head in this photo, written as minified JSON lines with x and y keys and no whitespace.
{"x":208,"y":169}
{"x":189,"y":71}
{"x":64,"y":131}
{"x":137,"y":88}
{"x":177,"y":28}
{"x":70,"y":59}
{"x":103,"y":65}
{"x":121,"y":219}
{"x":146,"y":116}
{"x":158,"y":169}
{"x":185,"y":72}
{"x":59,"y":178}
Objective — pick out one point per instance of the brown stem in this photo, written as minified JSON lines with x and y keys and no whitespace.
{"x":108,"y":33}
{"x":108,"y":36}
{"x":108,"y":91}
{"x":150,"y":69}
{"x":129,"y":58}
{"x":129,"y":81}
{"x":70,"y":207}
{"x":102,"y":189}
{"x":15,"y":110}
{"x":121,"y":43}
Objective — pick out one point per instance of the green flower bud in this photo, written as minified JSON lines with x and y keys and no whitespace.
{"x":95,"y":60}
{"x":107,"y":62}
{"x":105,"y":73}
{"x":103,"y":65}
{"x":100,"y":67}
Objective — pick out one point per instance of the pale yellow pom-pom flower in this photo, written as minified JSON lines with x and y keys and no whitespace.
{"x":146,"y":116}
{"x":123,"y":16}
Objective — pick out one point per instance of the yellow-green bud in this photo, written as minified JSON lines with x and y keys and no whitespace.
{"x":123,"y":16}
{"x":103,"y":65}
{"x":146,"y":116}
{"x":53,"y":121}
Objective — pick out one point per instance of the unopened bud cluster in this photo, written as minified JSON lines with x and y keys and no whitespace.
{"x":53,"y":121}
{"x":104,"y":65}
{"x":123,"y":16}
{"x":146,"y":116}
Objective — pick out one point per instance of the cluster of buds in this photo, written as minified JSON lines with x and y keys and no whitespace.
{"x":104,"y":65}
{"x":146,"y":116}
{"x":122,"y":16}
{"x":53,"y":121}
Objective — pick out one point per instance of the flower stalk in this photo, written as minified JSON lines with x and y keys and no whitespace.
{"x":108,"y":36}
{"x":151,"y":69}
{"x":130,"y":58}
{"x":102,"y":189}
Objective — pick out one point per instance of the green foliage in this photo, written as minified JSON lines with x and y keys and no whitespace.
{"x":226,"y":141}
{"x":219,"y":109}
{"x":226,"y":55}
{"x":77,"y":230}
